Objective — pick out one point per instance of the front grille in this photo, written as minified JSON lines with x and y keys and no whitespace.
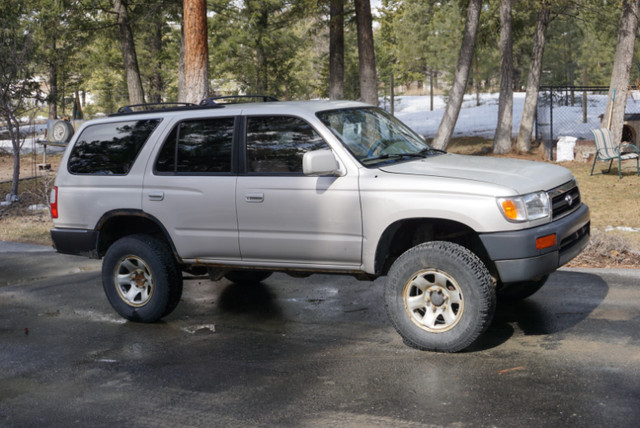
{"x":565,"y":199}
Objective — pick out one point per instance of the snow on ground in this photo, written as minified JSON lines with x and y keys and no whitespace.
{"x":29,"y":146}
{"x":481,"y":120}
{"x":475,"y":121}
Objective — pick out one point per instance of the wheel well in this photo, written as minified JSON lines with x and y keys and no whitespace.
{"x":406,"y":234}
{"x":117,"y":225}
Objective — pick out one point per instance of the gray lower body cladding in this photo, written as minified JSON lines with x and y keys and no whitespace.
{"x":517,"y":258}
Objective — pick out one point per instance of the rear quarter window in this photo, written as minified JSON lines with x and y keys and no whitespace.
{"x":110,"y":148}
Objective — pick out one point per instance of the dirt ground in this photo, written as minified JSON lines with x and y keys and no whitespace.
{"x":30,"y":166}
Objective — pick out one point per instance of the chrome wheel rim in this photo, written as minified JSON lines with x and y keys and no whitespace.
{"x":133,"y":281}
{"x":433,"y":300}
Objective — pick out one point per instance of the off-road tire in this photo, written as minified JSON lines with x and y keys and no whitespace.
{"x":61,"y":131}
{"x":439,"y":296}
{"x":521,"y":290}
{"x":141,"y":278}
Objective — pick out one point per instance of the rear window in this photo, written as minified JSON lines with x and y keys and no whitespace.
{"x":110,"y":148}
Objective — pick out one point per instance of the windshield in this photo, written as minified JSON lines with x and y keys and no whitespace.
{"x":373,"y":136}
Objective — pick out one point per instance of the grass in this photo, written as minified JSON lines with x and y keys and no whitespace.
{"x":26,"y":221}
{"x":614,"y":204}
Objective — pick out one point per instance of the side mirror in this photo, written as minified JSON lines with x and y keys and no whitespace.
{"x":320,"y":162}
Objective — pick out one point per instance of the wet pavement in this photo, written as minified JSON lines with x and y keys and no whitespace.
{"x":316,"y":351}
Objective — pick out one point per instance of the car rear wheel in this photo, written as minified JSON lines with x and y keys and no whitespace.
{"x":141,"y":278}
{"x":440,"y":297}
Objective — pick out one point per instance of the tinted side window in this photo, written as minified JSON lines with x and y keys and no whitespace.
{"x":198,"y":146}
{"x":276,"y":144}
{"x":110,"y":148}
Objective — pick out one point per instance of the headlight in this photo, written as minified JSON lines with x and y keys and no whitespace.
{"x":532,"y":206}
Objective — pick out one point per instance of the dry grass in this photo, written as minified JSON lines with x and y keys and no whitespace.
{"x":609,"y":250}
{"x":614,"y":203}
{"x":22,"y":221}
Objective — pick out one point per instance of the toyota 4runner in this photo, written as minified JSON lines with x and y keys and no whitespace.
{"x":242,"y":190}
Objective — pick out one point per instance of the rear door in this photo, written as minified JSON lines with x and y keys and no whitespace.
{"x":191,"y":188}
{"x":285,"y":216}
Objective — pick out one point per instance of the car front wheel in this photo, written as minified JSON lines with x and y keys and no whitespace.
{"x":440,"y":297}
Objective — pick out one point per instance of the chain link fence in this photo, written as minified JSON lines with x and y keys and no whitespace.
{"x":573,"y":111}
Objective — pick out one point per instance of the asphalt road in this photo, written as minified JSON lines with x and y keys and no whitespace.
{"x":307,"y":352}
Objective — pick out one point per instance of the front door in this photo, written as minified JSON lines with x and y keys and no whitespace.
{"x":286,"y":216}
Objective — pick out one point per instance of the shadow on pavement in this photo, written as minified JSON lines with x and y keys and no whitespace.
{"x":564,"y":301}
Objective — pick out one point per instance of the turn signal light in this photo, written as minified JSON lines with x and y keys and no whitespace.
{"x":546,"y":241}
{"x":510,"y":209}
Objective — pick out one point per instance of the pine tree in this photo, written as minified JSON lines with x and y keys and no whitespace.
{"x":336,"y":50}
{"x":445,"y":130}
{"x":502,"y":140}
{"x":621,"y":68}
{"x":17,"y":80}
{"x":134,"y":82}
{"x":523,"y":143}
{"x":196,"y":53}
{"x":366,"y":53}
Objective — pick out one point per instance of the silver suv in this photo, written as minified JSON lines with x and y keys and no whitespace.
{"x":243,"y":190}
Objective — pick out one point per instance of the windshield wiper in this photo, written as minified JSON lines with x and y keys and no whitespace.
{"x":390,"y":156}
{"x":432,"y":150}
{"x":421,"y":154}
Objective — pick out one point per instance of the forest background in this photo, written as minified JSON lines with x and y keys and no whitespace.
{"x":281,"y":48}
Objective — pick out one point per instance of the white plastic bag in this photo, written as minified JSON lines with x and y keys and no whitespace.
{"x":565,"y":149}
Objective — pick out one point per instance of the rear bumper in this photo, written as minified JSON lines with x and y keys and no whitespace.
{"x":79,"y":242}
{"x":517,"y":258}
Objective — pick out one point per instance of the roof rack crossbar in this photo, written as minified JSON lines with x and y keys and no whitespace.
{"x":212,"y":100}
{"x":133,"y":108}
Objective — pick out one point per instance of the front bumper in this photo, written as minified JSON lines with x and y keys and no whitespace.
{"x":515,"y":254}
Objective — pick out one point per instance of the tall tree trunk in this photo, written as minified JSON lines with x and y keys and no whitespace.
{"x":262,"y":70}
{"x":134,"y":83}
{"x":196,"y":51}
{"x":182,"y":89}
{"x":53,"y":91}
{"x":431,"y":95}
{"x":366,"y":53}
{"x":621,"y":69}
{"x":502,"y":139}
{"x":155,"y":48}
{"x":53,"y":84}
{"x":13,"y":127}
{"x":448,"y":123}
{"x":523,"y":142}
{"x":336,"y":50}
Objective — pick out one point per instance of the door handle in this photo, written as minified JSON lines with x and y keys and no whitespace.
{"x":156,"y":196}
{"x":254,"y":198}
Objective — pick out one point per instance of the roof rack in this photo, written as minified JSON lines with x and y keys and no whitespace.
{"x":237,"y":98}
{"x":205,"y":103}
{"x":139,"y":108}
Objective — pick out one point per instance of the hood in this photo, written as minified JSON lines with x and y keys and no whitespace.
{"x":520,"y":175}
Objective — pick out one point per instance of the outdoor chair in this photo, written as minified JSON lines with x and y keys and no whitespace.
{"x":607,"y":151}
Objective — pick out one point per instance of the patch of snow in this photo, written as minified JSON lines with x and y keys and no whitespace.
{"x":622,"y":229}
